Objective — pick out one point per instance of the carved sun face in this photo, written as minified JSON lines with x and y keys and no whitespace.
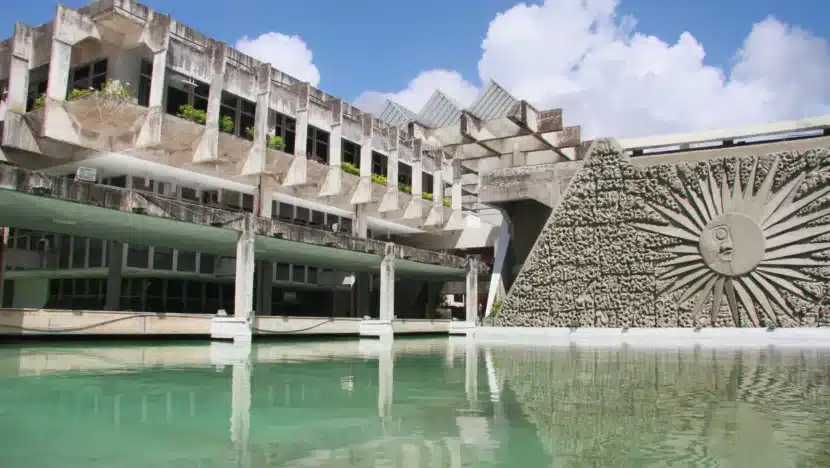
{"x":744,"y":244}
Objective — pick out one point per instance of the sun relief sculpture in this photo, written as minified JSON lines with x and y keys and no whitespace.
{"x":742,"y":246}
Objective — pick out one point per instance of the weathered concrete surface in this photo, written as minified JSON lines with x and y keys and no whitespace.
{"x":149,"y":204}
{"x":544,"y":183}
{"x":726,"y":241}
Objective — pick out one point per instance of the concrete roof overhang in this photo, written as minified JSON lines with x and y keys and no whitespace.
{"x":19,"y":209}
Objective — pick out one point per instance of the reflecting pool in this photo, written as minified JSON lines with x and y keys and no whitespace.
{"x":410,"y":403}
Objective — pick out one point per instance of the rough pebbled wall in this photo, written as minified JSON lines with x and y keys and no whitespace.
{"x":724,"y":242}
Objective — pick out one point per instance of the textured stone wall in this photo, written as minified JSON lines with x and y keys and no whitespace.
{"x":724,"y":242}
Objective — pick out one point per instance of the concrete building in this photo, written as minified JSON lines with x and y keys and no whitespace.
{"x":136,"y":100}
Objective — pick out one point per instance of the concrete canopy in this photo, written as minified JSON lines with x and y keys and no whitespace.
{"x":60,"y":216}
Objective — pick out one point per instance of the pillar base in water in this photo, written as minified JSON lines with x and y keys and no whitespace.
{"x":375,"y":327}
{"x":230,"y":328}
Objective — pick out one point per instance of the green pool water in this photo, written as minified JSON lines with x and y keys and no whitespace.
{"x":418,"y":403}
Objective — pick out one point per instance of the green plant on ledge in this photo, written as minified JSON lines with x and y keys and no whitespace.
{"x":446,"y":202}
{"x":40,"y":102}
{"x":271,"y":141}
{"x":404,"y":188}
{"x":112,"y":89}
{"x":349,"y":168}
{"x":226,"y":124}
{"x":188,"y":112}
{"x":426,"y":196}
{"x":379,"y":179}
{"x":275,"y":142}
{"x":78,"y":93}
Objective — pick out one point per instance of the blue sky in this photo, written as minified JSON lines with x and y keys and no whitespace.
{"x":382,"y":45}
{"x":372,"y":44}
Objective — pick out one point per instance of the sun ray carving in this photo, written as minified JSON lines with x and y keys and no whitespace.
{"x":742,"y":246}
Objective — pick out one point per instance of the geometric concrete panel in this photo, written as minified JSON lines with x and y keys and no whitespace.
{"x":726,"y":242}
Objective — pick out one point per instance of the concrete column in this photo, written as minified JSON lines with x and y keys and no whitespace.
{"x":456,"y":221}
{"x":59,"y":65}
{"x":387,"y":284}
{"x":208,"y":148}
{"x":390,"y":198}
{"x":256,"y":160}
{"x":471,"y":292}
{"x":297,"y":173}
{"x":265,"y":199}
{"x":415,"y":208}
{"x":158,"y":40}
{"x":244,"y":278}
{"x":436,"y":213}
{"x":333,"y":183}
{"x":218,"y":63}
{"x":363,"y":192}
{"x":21,"y":54}
{"x":497,"y":289}
{"x":115,"y":266}
{"x":360,"y":223}
{"x":156,"y":37}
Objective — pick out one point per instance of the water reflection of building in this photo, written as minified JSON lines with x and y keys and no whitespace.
{"x":648,"y":408}
{"x":316,"y":404}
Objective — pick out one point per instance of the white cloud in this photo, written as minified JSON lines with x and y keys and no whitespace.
{"x":286,"y":53}
{"x":612,"y":80}
{"x":420,"y":89}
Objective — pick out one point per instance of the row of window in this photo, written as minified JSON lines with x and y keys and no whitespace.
{"x":65,"y":252}
{"x":237,"y":201}
{"x":180,"y":296}
{"x":182,"y":90}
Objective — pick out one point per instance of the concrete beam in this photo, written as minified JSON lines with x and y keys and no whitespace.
{"x":20,"y":56}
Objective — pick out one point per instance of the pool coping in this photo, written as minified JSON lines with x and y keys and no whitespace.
{"x":655,"y":337}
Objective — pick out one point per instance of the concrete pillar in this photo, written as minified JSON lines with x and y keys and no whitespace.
{"x":471,"y":292}
{"x":157,"y":39}
{"x":255,"y":162}
{"x":297,"y":173}
{"x":387,"y":284}
{"x":363,"y":192}
{"x":389,"y":202}
{"x":59,"y":65}
{"x":333,"y":183}
{"x":265,"y":200}
{"x":244,"y":278}
{"x":156,"y":36}
{"x":115,"y":266}
{"x":497,"y":289}
{"x":208,"y":147}
{"x":436,"y":213}
{"x":415,"y":208}
{"x":21,"y":54}
{"x":360,"y":223}
{"x":456,"y":221}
